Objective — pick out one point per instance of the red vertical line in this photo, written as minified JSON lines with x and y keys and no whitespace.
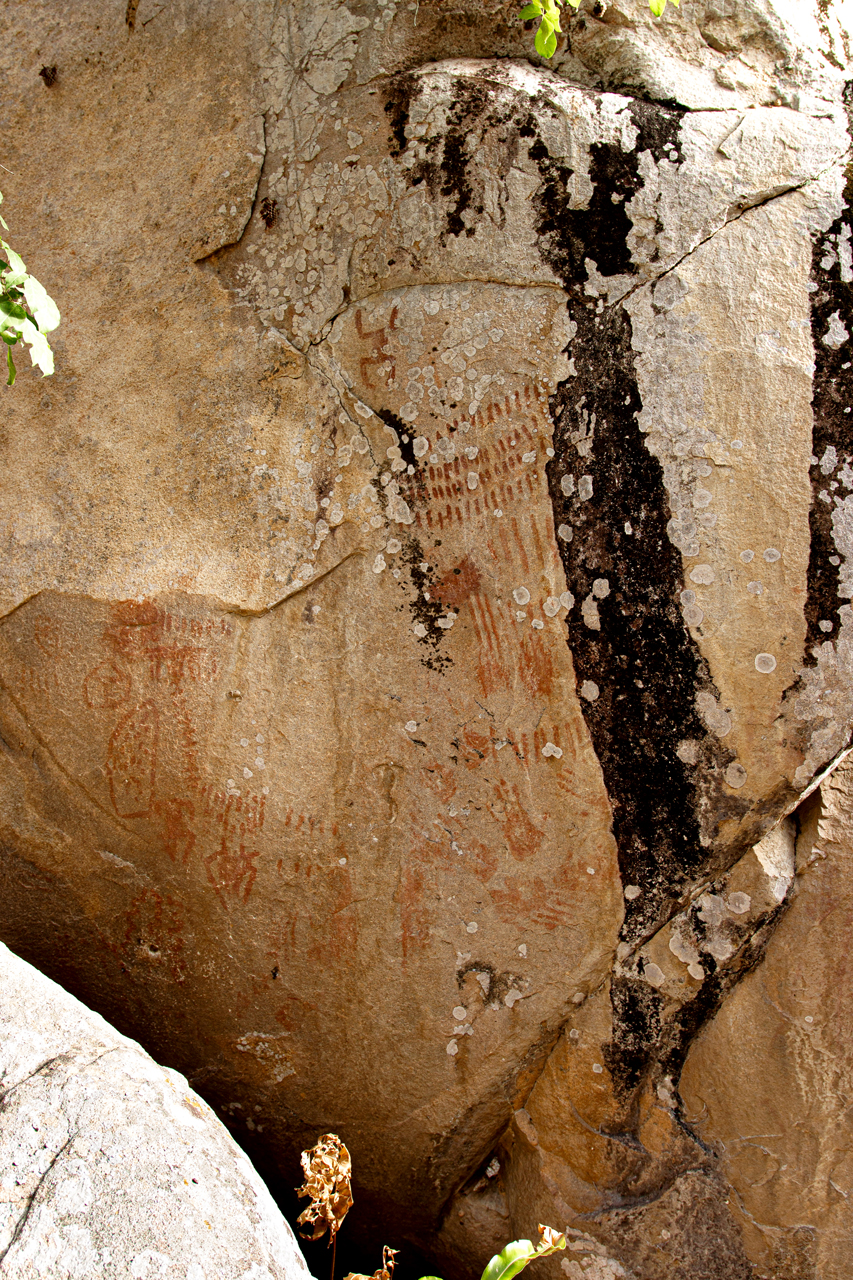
{"x":505,"y":543}
{"x":521,"y":548}
{"x":543,"y":558}
{"x":492,"y":624}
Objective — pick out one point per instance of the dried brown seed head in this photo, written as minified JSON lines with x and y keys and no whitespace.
{"x":328,"y":1169}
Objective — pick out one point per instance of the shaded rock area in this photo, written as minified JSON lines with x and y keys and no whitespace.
{"x":425,"y":588}
{"x":110,"y":1165}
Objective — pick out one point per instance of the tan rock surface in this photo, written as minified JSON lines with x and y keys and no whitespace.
{"x":766,"y":1083}
{"x":421,"y":577}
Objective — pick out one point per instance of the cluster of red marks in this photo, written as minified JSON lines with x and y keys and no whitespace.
{"x":321,"y":924}
{"x":504,"y":481}
{"x":309,"y":824}
{"x":155,"y":928}
{"x":232,"y":824}
{"x":380,"y":357}
{"x":154,"y":764}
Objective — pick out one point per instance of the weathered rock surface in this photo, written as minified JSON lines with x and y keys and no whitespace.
{"x":766,"y":1083}
{"x":426,"y":576}
{"x":110,"y":1165}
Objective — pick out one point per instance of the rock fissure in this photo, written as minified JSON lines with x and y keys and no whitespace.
{"x":31,"y":1199}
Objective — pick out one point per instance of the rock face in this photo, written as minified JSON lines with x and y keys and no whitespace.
{"x":110,"y":1165}
{"x":426,"y":576}
{"x":765,"y":1084}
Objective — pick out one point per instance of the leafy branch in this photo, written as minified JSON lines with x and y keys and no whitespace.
{"x":549,"y":11}
{"x":27,"y":312}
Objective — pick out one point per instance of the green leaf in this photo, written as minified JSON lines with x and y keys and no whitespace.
{"x":40,"y":352}
{"x":10,"y":381}
{"x":14,"y":316}
{"x":15,"y":279}
{"x":532,"y":10}
{"x":43,"y":307}
{"x":546,"y":45}
{"x":657,"y":7}
{"x":9,"y":338}
{"x":510,"y":1261}
{"x":15,"y":260}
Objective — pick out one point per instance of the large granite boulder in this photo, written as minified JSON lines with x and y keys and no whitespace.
{"x":110,"y":1165}
{"x":425,"y":576}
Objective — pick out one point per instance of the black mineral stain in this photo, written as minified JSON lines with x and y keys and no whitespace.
{"x":832,"y":406}
{"x":476,"y":114}
{"x":638,"y":670}
{"x":642,"y":660}
{"x":398,"y":99}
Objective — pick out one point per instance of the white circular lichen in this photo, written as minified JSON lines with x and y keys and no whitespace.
{"x":567,"y":600}
{"x":702,"y":574}
{"x":632,"y":891}
{"x":735,"y":775}
{"x":565,"y":533}
{"x":521,"y":595}
{"x":551,"y":607}
{"x":379,"y":563}
{"x":771,"y":555}
{"x":551,"y":750}
{"x":589,"y":690}
{"x":765,"y":663}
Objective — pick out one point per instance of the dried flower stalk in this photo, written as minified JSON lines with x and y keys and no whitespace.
{"x":385,"y":1272}
{"x":328,"y":1170}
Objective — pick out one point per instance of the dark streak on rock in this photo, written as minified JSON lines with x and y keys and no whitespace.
{"x":833,"y":427}
{"x":643,"y":659}
{"x":445,"y":168}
